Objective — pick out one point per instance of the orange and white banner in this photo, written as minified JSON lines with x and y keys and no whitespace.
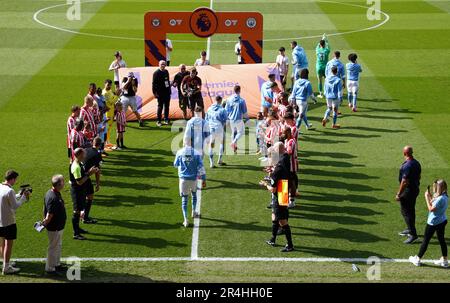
{"x":216,"y":80}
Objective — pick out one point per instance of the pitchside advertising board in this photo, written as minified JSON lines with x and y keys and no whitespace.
{"x":203,"y":22}
{"x":217,"y":80}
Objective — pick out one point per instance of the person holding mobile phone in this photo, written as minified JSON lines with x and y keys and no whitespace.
{"x":437,"y":204}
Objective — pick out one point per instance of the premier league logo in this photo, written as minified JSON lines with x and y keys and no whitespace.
{"x":203,"y":23}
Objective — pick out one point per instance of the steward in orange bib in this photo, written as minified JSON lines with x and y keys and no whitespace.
{"x":279,"y":187}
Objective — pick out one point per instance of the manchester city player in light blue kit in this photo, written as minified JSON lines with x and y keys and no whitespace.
{"x":190,"y":167}
{"x":301,"y":91}
{"x":353,"y":71}
{"x":237,"y":114}
{"x":299,"y":60}
{"x":333,"y":88}
{"x":340,"y":73}
{"x":197,"y":131}
{"x":216,"y":116}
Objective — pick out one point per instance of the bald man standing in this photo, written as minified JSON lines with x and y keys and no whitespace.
{"x":409,"y":179}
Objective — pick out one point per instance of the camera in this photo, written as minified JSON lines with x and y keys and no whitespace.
{"x":25,"y":188}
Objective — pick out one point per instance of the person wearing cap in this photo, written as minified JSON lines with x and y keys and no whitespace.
{"x":162,"y":90}
{"x":128,"y":99}
{"x":117,"y":64}
{"x":202,"y":60}
{"x":237,"y":50}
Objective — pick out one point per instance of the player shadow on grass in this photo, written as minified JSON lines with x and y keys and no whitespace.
{"x":138,"y":224}
{"x":375,"y":129}
{"x":351,"y":235}
{"x":320,"y":139}
{"x":336,"y":209}
{"x":334,"y":197}
{"x":333,"y":174}
{"x":310,"y":162}
{"x":336,"y":218}
{"x":338,"y":253}
{"x":311,"y":153}
{"x":339,"y":185}
{"x":129,"y":201}
{"x":89,"y":273}
{"x":155,"y":243}
{"x":347,"y":135}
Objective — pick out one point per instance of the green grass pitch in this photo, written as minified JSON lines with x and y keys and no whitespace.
{"x":348,"y":177}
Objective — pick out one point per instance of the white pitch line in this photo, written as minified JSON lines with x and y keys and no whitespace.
{"x":196,"y":228}
{"x":208,"y":42}
{"x":36,"y":19}
{"x":224,"y":259}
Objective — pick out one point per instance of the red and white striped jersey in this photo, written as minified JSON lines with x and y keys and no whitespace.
{"x":291,"y":149}
{"x":273,"y":132}
{"x":70,"y":126}
{"x":76,"y":139}
{"x":87,"y":116}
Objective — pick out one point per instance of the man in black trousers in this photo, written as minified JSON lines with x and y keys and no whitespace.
{"x":162,"y":90}
{"x":409,"y":178}
{"x":280,"y":213}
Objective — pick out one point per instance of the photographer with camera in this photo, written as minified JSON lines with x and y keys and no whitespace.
{"x":9,"y":203}
{"x":191,"y":87}
{"x":128,"y":98}
{"x":79,"y":181}
{"x":162,"y":90}
{"x":54,"y":221}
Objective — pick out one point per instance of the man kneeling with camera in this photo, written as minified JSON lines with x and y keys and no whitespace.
{"x":9,"y":203}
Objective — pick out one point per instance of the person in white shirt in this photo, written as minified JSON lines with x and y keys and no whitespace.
{"x":9,"y":203}
{"x":117,"y":64}
{"x":237,"y":50}
{"x":202,"y":60}
{"x":169,"y":49}
{"x":282,"y":62}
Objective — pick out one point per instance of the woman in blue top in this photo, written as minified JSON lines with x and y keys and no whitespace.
{"x":437,"y":220}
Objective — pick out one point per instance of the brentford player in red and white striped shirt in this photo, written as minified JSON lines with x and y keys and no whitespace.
{"x":121,"y":121}
{"x":87,"y":115}
{"x":76,"y":137}
{"x":291,"y":149}
{"x":71,"y":125}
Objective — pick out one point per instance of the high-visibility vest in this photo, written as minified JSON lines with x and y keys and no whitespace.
{"x":283,"y":192}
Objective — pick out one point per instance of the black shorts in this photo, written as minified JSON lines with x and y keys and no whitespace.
{"x":78,"y":195}
{"x":69,"y":153}
{"x":196,"y":100}
{"x":9,"y":232}
{"x":280,"y":212}
{"x":90,"y":186}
